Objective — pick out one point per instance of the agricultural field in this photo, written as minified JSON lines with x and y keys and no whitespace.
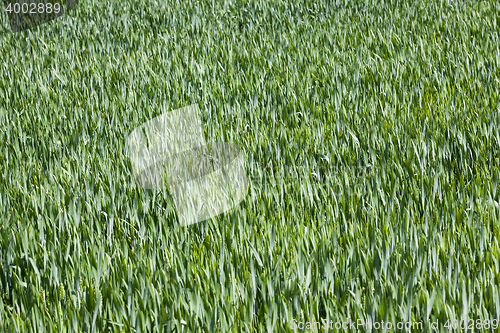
{"x":370,"y":131}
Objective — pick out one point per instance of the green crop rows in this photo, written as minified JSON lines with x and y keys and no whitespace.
{"x":389,"y":110}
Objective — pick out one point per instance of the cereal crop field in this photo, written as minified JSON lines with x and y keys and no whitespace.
{"x":370,"y":133}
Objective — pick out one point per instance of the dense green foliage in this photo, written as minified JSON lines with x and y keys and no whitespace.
{"x":410,"y":88}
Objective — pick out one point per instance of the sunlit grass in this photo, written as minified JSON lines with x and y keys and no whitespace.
{"x":398,"y":223}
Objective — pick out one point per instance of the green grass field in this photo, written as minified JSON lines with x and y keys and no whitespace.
{"x":409,"y":88}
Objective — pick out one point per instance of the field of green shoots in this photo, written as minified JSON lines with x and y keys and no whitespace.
{"x":371,"y":135}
